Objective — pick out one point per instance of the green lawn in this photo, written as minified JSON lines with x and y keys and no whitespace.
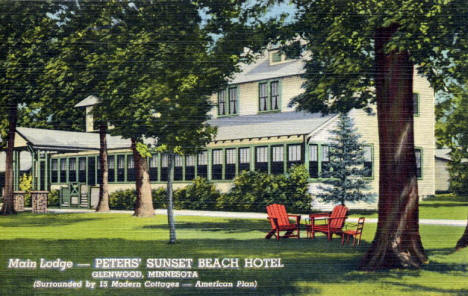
{"x":311,"y":266}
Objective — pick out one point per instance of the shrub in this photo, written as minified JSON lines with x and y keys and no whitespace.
{"x":200,"y":195}
{"x":122,"y":199}
{"x":159,"y":198}
{"x":53,"y":200}
{"x":253,"y":191}
{"x":25,"y":184}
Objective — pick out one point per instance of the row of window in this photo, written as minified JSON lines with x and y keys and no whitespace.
{"x":225,"y":164}
{"x":268,"y":99}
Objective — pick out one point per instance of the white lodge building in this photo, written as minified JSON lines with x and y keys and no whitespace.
{"x":256,"y":131}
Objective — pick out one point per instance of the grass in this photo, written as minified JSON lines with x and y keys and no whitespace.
{"x":312,"y":267}
{"x":431,"y":209}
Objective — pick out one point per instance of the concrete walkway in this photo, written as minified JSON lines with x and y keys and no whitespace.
{"x":250,"y":215}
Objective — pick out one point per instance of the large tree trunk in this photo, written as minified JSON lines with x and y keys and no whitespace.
{"x":463,"y":241}
{"x":8,"y":205}
{"x":169,"y":192}
{"x":144,"y":201}
{"x":397,"y":243}
{"x":103,"y":205}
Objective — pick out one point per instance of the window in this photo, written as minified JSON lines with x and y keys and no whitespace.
{"x":313,"y":161}
{"x":190,"y":167}
{"x":63,"y":170}
{"x":276,"y":57}
{"x":274,"y":95}
{"x":277,"y":159}
{"x":178,"y":168}
{"x":164,"y":164}
{"x":262,"y":96}
{"x":54,"y":169}
{"x":72,"y":169}
{"x":325,"y":158}
{"x":222,"y":102}
{"x":294,"y":154}
{"x":131,"y":175}
{"x":217,"y":166}
{"x":261,"y":159}
{"x":111,"y":168}
{"x":153,"y":168}
{"x":120,"y":168}
{"x":233,"y":100}
{"x":230,"y":170}
{"x":268,"y":96}
{"x":202,"y":165}
{"x":228,"y":101}
{"x":368,"y":161}
{"x":244,"y":159}
{"x":91,"y":170}
{"x":418,"y":154}
{"x":415,"y":104}
{"x":82,"y":169}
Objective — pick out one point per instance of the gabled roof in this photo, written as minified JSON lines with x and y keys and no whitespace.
{"x":268,"y":125}
{"x":89,"y":101}
{"x":65,"y":140}
{"x":261,"y":70}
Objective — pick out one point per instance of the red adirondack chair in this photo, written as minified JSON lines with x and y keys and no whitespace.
{"x":279,"y":220}
{"x":356,"y":234}
{"x":335,"y":222}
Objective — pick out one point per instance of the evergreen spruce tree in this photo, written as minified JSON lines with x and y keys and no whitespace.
{"x":345,"y":171}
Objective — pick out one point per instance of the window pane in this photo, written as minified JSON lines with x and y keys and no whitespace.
{"x":203,"y":158}
{"x":263,"y":95}
{"x":131,"y":176}
{"x":415,"y":103}
{"x":325,"y":150}
{"x":111,"y":167}
{"x":221,"y":102}
{"x":261,"y":159}
{"x":277,"y":158}
{"x":277,"y":153}
{"x":121,"y":168}
{"x":153,"y":164}
{"x":276,"y":57}
{"x":190,"y":160}
{"x":244,"y":159}
{"x":231,"y":156}
{"x":72,"y":169}
{"x":368,"y":161}
{"x":54,"y":168}
{"x":230,"y":169}
{"x":178,"y":167}
{"x":418,"y":155}
{"x":190,"y":167}
{"x":294,"y":153}
{"x":82,"y":169}
{"x":218,"y":156}
{"x":274,"y":91}
{"x":217,"y":167}
{"x":313,"y":161}
{"x":233,"y":100}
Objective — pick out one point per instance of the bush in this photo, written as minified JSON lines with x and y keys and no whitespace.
{"x":53,"y":199}
{"x":25,"y":184}
{"x":200,"y":195}
{"x":253,"y":191}
{"x":125,"y":199}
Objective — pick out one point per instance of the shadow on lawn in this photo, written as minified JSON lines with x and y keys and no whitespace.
{"x":229,"y":226}
{"x":41,"y":220}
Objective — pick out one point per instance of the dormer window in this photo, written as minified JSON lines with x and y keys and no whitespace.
{"x":277,"y":57}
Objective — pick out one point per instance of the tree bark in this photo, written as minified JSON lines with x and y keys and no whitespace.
{"x":103,"y":205}
{"x":144,"y":200}
{"x":397,"y":243}
{"x":170,"y":194}
{"x":8,"y":205}
{"x":463,"y":241}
